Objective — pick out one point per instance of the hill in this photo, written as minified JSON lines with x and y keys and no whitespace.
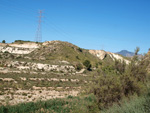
{"x":31,"y":71}
{"x":126,"y":53}
{"x":55,"y":51}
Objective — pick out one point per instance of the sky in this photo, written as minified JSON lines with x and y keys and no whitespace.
{"x":111,"y":25}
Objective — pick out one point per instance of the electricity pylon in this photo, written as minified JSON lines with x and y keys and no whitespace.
{"x":39,"y":29}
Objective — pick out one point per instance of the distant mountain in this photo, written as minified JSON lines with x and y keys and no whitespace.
{"x":126,"y":53}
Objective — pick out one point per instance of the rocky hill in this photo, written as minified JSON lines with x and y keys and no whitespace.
{"x":31,"y":71}
{"x":15,"y":48}
{"x":62,"y":51}
{"x":101,"y":54}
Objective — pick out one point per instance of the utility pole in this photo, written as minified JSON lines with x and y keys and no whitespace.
{"x":38,"y":37}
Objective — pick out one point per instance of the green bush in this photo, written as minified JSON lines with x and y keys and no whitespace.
{"x":87,"y":64}
{"x":77,"y":58}
{"x":80,"y":50}
{"x":107,"y":89}
{"x":110,"y":89}
{"x":120,"y":66}
{"x":3,"y":41}
{"x":79,"y":66}
{"x":134,"y":105}
{"x":131,"y":79}
{"x":21,"y":41}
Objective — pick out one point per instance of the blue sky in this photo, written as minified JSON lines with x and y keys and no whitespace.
{"x":112,"y":25}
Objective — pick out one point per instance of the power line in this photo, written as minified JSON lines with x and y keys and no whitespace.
{"x":15,"y":8}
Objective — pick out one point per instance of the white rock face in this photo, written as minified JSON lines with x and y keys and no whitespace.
{"x":102,"y":54}
{"x":118,"y":57}
{"x":99,"y":53}
{"x":25,"y":45}
{"x":18,"y":48}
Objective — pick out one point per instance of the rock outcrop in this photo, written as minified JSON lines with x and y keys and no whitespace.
{"x":99,"y":53}
{"x":118,"y":57}
{"x":18,"y":48}
{"x":40,"y":66}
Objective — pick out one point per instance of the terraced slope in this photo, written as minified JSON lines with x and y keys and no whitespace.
{"x":39,"y":71}
{"x":32,"y":71}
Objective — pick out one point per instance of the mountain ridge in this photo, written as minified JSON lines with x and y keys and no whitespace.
{"x":126,"y":53}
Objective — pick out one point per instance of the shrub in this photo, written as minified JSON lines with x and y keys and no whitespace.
{"x":70,"y":96}
{"x":135,"y":105}
{"x":79,"y":49}
{"x":6,"y":52}
{"x":131,"y":79}
{"x":87,"y":64}
{"x":108,"y":69}
{"x":107,"y":89}
{"x":120,"y":66}
{"x":77,"y":58}
{"x":3,"y":41}
{"x":79,"y":66}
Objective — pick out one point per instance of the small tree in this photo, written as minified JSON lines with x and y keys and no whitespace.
{"x":137,"y":50}
{"x":135,"y":57}
{"x":3,"y":41}
{"x":87,"y":64}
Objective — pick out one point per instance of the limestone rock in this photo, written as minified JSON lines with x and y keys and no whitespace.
{"x":99,"y":53}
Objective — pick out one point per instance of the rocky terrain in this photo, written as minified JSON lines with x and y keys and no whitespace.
{"x":32,"y":71}
{"x":101,"y":54}
{"x":18,"y":48}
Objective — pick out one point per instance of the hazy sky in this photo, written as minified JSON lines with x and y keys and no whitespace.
{"x":112,"y":25}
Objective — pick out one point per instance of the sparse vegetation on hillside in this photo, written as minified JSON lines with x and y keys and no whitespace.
{"x":58,"y":69}
{"x":59,"y":51}
{"x":130,"y":79}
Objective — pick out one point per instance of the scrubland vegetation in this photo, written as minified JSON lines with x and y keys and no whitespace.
{"x":106,"y":86}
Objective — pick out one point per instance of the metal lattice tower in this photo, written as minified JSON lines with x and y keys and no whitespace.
{"x":38,"y":37}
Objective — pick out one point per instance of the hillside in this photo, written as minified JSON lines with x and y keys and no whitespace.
{"x":31,"y":71}
{"x":53,"y":69}
{"x":62,"y":51}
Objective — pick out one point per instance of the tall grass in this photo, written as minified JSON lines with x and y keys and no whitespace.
{"x":71,"y":104}
{"x":135,"y":105}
